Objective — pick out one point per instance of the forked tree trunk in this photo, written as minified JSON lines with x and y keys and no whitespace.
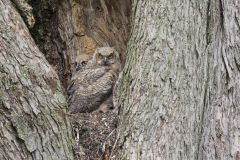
{"x":33,"y":123}
{"x":180,"y":91}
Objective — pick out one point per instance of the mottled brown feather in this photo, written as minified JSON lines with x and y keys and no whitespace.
{"x":92,"y":86}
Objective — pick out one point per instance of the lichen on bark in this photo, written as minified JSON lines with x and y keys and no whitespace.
{"x":179,"y":96}
{"x":32,"y":106}
{"x":26,"y":11}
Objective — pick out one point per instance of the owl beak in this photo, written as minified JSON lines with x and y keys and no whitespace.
{"x":105,"y":61}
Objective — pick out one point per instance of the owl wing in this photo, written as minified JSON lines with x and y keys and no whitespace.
{"x":85,"y":78}
{"x":88,"y":95}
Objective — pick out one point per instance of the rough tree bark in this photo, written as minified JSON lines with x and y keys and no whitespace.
{"x":32,"y":106}
{"x":180,"y":91}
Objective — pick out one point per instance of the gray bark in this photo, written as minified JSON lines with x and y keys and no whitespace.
{"x":179,"y":94}
{"x":32,"y":107}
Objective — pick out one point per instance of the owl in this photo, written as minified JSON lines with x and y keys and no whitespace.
{"x":92,"y":86}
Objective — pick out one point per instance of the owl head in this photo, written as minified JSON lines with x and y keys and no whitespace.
{"x":80,"y":65}
{"x":81,"y":61}
{"x":106,"y":56}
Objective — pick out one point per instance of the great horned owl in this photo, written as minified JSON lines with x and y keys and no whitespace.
{"x":91,"y":87}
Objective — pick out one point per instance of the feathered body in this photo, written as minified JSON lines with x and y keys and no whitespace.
{"x":92,"y":86}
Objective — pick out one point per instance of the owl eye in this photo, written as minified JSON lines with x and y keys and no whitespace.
{"x":110,"y":56}
{"x":100,"y":56}
{"x":83,"y":63}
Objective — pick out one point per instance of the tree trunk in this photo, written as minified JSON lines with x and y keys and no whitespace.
{"x":179,"y":94}
{"x":32,"y":106}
